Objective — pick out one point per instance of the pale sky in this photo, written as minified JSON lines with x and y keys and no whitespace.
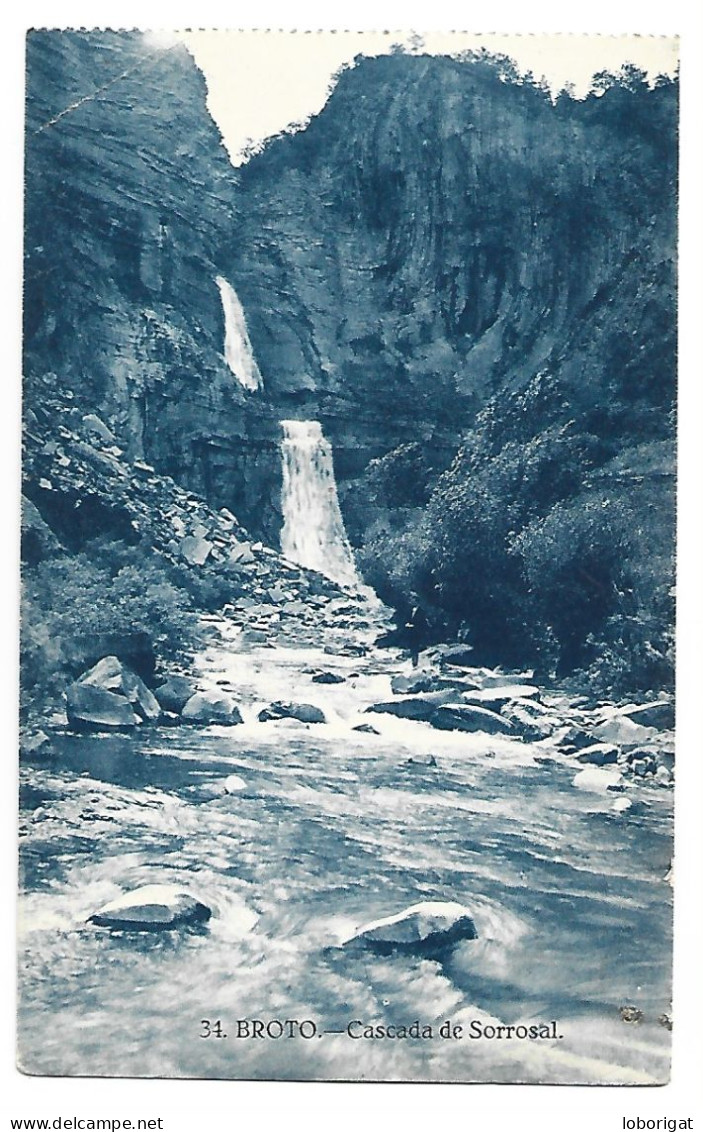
{"x":260,"y":82}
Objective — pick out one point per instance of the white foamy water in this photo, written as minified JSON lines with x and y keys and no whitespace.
{"x":238,"y":351}
{"x":313,"y":533}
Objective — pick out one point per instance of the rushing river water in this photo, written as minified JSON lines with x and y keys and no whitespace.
{"x":332,"y":828}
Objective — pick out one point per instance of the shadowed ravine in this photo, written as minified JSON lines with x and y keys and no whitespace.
{"x":333,"y":828}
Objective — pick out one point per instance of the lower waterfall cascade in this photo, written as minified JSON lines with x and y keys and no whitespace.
{"x":313,"y":533}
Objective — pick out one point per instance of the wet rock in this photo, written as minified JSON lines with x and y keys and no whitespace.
{"x":427,"y":760}
{"x":211,"y":707}
{"x":599,"y":754}
{"x":33,"y":742}
{"x":195,"y":550}
{"x":622,"y":730}
{"x":328,"y":678}
{"x":429,"y":929}
{"x":420,"y":708}
{"x":416,"y":682}
{"x":599,"y":780}
{"x":154,"y":907}
{"x":174,"y":693}
{"x":574,"y":738}
{"x":95,"y":429}
{"x":621,"y":805}
{"x":631,"y":1014}
{"x":497,"y":697}
{"x":111,"y":675}
{"x":366,"y":729}
{"x":529,"y":726}
{"x":305,"y":713}
{"x":93,"y":709}
{"x":233,"y":784}
{"x":663,"y":776}
{"x":659,"y":714}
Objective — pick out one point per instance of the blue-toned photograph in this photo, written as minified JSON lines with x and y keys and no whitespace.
{"x":348,"y":557}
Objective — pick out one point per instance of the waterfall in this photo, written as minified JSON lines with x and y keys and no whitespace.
{"x":238,"y":352}
{"x":313,"y":532}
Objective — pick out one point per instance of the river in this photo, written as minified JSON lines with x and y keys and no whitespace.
{"x":332,"y":828}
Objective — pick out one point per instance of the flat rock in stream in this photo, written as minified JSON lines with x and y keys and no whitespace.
{"x":154,"y":907}
{"x":428,"y":929}
{"x":412,"y":684}
{"x":211,"y":707}
{"x":496,"y":697}
{"x":305,"y":713}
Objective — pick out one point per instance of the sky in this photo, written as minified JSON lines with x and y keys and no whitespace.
{"x":260,"y":82}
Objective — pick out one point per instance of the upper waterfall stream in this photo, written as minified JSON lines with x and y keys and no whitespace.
{"x":313,"y":533}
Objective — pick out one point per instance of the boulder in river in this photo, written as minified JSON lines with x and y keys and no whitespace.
{"x":412,"y":684}
{"x":233,"y":784}
{"x":305,"y":713}
{"x":211,"y":707}
{"x":111,"y":675}
{"x":366,"y":729}
{"x":622,"y":730}
{"x":328,"y":678}
{"x":174,"y":693}
{"x":428,"y":929}
{"x":599,"y":780}
{"x":154,"y":907}
{"x":659,"y":714}
{"x":94,"y":709}
{"x":471,"y":717}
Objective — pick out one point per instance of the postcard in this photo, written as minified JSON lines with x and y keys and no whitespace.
{"x":347,"y":686}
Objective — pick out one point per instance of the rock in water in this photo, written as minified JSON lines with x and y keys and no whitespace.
{"x":93,"y":709}
{"x":154,"y":907}
{"x":174,"y":693}
{"x":211,"y":707}
{"x":111,"y":675}
{"x":328,"y":678}
{"x":599,"y":754}
{"x":306,"y":713}
{"x":622,"y":730}
{"x":428,"y":929}
{"x":599,"y":780}
{"x":470,"y":717}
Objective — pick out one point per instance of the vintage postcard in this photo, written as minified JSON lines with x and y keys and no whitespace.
{"x":348,"y":556}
